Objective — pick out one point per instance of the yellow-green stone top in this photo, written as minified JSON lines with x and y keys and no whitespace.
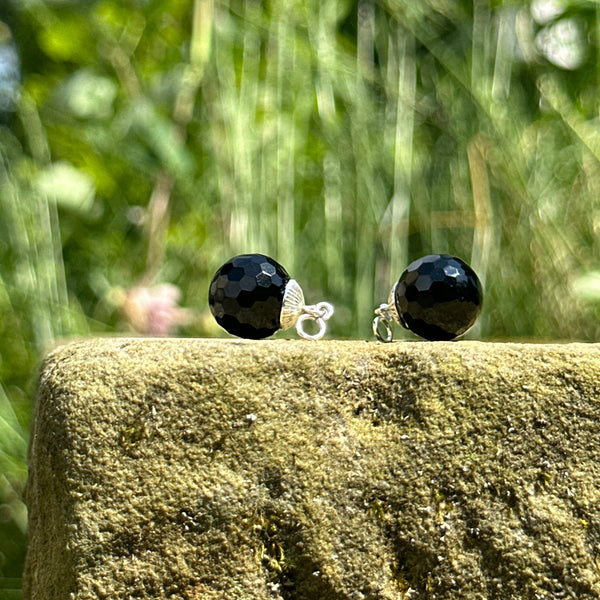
{"x":295,"y":470}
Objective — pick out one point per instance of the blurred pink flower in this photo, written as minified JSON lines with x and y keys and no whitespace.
{"x":154,"y":309}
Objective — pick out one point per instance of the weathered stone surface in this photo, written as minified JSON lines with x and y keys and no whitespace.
{"x":203,"y":469}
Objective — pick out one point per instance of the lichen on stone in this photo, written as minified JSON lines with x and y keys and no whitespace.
{"x":366,"y":471}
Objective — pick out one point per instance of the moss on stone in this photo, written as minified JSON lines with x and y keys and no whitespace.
{"x":293,"y":470}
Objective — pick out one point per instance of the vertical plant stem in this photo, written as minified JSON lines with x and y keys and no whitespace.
{"x":160,"y":199}
{"x":285,"y":152}
{"x":483,"y":232}
{"x":333,"y":196}
{"x":367,"y":195}
{"x":403,"y":155}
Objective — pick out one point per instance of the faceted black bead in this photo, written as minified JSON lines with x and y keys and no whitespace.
{"x":246,"y":295}
{"x":438,"y":297}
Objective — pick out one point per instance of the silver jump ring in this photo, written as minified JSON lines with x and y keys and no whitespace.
{"x":388,"y":329}
{"x":325,"y":309}
{"x":319,"y":313}
{"x":307,"y":336}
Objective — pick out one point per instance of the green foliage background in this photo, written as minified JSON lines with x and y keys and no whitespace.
{"x":152,"y":140}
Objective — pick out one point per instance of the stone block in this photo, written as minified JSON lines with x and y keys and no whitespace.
{"x":293,"y":470}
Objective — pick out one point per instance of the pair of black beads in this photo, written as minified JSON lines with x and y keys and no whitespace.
{"x":438,"y":297}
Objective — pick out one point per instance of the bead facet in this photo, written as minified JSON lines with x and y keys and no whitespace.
{"x":246,"y":295}
{"x":438,"y":297}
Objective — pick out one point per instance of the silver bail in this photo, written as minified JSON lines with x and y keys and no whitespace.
{"x":295,"y":312}
{"x":385,"y":314}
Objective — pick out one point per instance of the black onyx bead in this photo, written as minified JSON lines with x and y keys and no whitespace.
{"x":438,"y":297}
{"x":246,"y":295}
